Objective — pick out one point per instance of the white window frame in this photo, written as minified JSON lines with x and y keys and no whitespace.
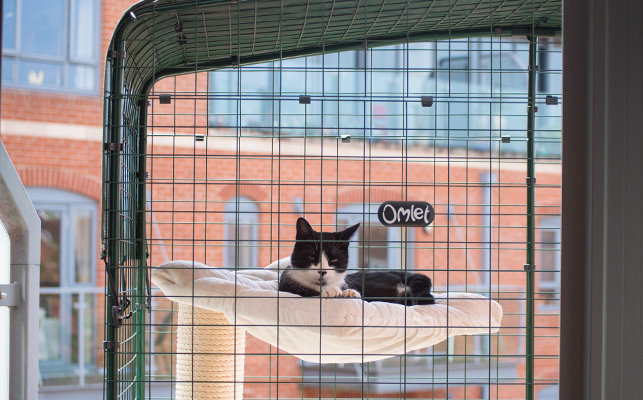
{"x":16,"y":54}
{"x":5,"y":322}
{"x":68,"y":203}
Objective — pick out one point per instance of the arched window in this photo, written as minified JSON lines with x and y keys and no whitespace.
{"x":241,"y":232}
{"x":69,"y":329}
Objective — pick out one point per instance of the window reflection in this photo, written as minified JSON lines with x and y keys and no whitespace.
{"x":83,"y":246}
{"x":43,"y":24}
{"x":50,"y":327}
{"x":51,"y":44}
{"x":241,"y":233}
{"x":51,"y":222}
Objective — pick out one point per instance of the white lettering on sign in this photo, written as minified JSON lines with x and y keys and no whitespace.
{"x":403,"y":214}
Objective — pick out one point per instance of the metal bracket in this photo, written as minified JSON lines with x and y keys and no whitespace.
{"x":113,"y":147}
{"x":165,"y":99}
{"x":551,"y":100}
{"x":427,"y":101}
{"x":304,"y":99}
{"x":110,"y":346}
{"x":530,"y":180}
{"x":234,"y":60}
{"x":530,"y":267}
{"x":9,"y":295}
{"x":115,"y":54}
{"x":142,"y":306}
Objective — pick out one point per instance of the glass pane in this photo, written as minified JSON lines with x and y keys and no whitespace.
{"x":43,"y":26}
{"x":241,"y":247}
{"x":40,"y":73}
{"x":230,"y":246}
{"x":50,"y":252}
{"x":89,"y":329}
{"x":9,"y":25}
{"x":83,"y":254}
{"x":76,"y":326}
{"x":82,"y":77}
{"x":548,"y":257}
{"x":83,"y":34}
{"x":93,"y":336}
{"x":58,"y":339}
{"x":7,"y":69}
{"x":373,"y":251}
{"x":50,"y":328}
{"x":246,"y":246}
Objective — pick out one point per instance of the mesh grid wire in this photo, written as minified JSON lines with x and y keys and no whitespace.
{"x":326,"y":110}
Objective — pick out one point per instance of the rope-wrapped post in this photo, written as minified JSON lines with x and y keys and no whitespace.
{"x":210,"y":356}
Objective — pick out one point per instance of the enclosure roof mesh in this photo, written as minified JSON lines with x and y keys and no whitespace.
{"x":170,"y":37}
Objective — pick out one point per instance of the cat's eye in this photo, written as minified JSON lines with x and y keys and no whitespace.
{"x":333,"y":261}
{"x":311,"y":258}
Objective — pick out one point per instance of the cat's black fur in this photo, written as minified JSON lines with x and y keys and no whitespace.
{"x":318,"y":267}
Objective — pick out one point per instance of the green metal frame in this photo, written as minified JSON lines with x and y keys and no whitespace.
{"x":157,"y":39}
{"x":531,"y":220}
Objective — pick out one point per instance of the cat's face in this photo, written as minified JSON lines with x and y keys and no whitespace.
{"x":320,"y":258}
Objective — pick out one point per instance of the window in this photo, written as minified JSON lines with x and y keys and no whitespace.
{"x":375,"y":246}
{"x":507,"y":72}
{"x":241,"y":233}
{"x":548,"y":268}
{"x":69,"y":327}
{"x":51,"y":44}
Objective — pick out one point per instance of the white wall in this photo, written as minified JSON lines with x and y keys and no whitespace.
{"x":602,"y":219}
{"x":5,"y":271}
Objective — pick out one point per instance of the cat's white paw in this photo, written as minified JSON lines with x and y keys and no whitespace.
{"x":351,"y":293}
{"x":332,"y":291}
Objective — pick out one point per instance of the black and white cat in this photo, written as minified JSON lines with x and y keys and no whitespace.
{"x":318,"y":267}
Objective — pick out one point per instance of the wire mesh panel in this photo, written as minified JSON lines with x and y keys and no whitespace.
{"x":359,"y":105}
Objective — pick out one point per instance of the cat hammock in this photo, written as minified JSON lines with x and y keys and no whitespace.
{"x":217,"y":305}
{"x":328,"y":330}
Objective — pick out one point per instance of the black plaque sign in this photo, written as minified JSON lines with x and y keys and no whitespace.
{"x":406,"y":213}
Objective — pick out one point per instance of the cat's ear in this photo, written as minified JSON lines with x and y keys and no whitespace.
{"x":304,"y":230}
{"x":347,"y":233}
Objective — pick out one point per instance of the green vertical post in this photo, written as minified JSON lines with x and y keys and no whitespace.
{"x":531,"y":232}
{"x":111,"y":187}
{"x":141,"y":243}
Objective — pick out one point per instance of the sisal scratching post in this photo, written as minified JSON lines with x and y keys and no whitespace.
{"x":210,"y":359}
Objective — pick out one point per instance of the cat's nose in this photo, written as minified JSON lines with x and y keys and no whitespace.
{"x":322,"y":273}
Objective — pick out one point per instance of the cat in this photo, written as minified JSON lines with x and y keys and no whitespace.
{"x":318,"y":267}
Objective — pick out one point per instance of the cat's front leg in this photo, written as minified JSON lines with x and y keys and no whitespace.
{"x":351,"y":293}
{"x":332,"y":291}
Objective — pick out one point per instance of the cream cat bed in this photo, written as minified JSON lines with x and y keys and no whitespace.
{"x":328,"y":330}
